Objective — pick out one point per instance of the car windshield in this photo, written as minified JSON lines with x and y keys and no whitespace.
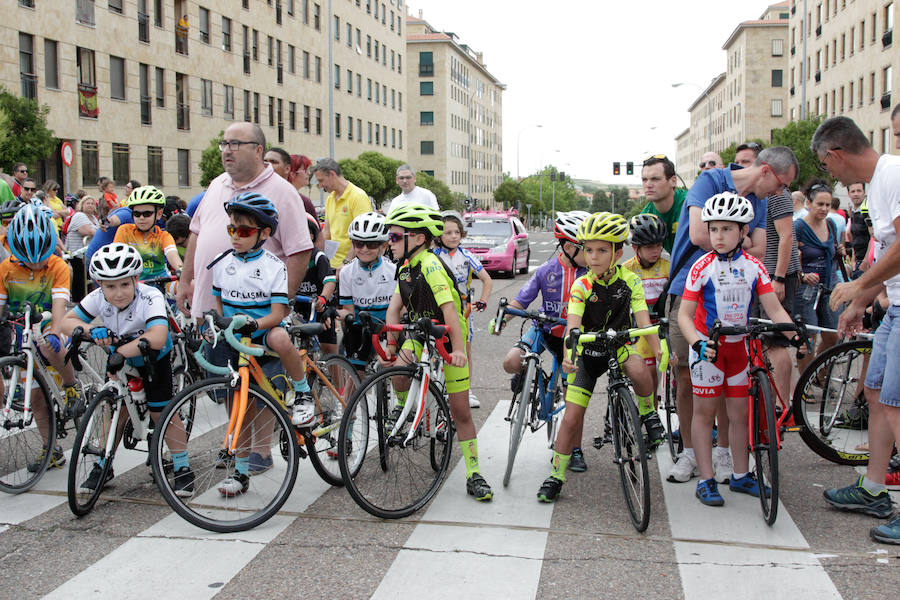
{"x":489,"y":228}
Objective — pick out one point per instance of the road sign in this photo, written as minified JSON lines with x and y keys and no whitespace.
{"x":67,"y":153}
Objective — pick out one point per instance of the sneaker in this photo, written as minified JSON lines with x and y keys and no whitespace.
{"x":184,"y":482}
{"x":515,"y":384}
{"x":656,"y":433}
{"x":473,"y":400}
{"x":708,"y":493}
{"x":258,"y":464}
{"x":747,"y":485}
{"x":683,"y":469}
{"x":235,"y":485}
{"x":304,"y":410}
{"x":889,"y":533}
{"x":478,"y":487}
{"x":224,"y":460}
{"x":856,"y":498}
{"x":576,"y":461}
{"x":550,"y":489}
{"x":93,"y":480}
{"x":722,"y":463}
{"x":892,"y":481}
{"x":57,"y":460}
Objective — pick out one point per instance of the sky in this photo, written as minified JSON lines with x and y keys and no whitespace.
{"x":596,"y":75}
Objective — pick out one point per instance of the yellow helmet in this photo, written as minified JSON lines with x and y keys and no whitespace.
{"x":604,"y":226}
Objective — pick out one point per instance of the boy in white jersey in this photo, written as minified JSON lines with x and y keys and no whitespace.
{"x":463,"y":265}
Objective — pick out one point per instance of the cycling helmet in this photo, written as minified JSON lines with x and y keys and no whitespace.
{"x":416,"y":216}
{"x":32,"y":234}
{"x":314,"y":228}
{"x":604,"y":226}
{"x":9,"y":209}
{"x":647,"y":229}
{"x":368,"y":227}
{"x":257,"y":206}
{"x":567,"y":223}
{"x":727,"y":206}
{"x":146,"y":194}
{"x":116,"y":261}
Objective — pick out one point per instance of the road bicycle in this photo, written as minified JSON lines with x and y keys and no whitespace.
{"x":239,"y":409}
{"x":394,"y":456}
{"x":31,"y":426}
{"x":630,"y":449}
{"x":541,"y":399}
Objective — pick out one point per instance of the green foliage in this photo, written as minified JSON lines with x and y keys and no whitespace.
{"x":388,"y":169}
{"x":797,"y":136}
{"x":445,"y":198}
{"x":509,"y":194}
{"x":363,"y":175}
{"x":211,"y":161}
{"x":25,"y":136}
{"x":728,"y":153}
{"x":538,"y":191}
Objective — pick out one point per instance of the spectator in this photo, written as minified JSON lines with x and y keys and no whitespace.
{"x":711,"y":160}
{"x":108,"y":226}
{"x":110,"y":201}
{"x":409,"y":192}
{"x":799,"y":204}
{"x":745,"y":154}
{"x":20,"y":172}
{"x":182,"y":29}
{"x":281,"y":163}
{"x":179,"y":227}
{"x":83,"y":224}
{"x":131,"y":186}
{"x":659,"y":182}
{"x":191,"y":207}
{"x":857,"y":238}
{"x":837,"y":214}
{"x":345,"y":202}
{"x":60,"y":212}
{"x":29,"y":187}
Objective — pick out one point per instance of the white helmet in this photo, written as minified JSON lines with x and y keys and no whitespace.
{"x":116,"y":261}
{"x":368,"y":227}
{"x":727,"y":206}
{"x":567,"y":224}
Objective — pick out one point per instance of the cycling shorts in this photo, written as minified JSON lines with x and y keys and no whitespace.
{"x":729,"y":373}
{"x":591,"y":365}
{"x":641,"y":347}
{"x":455,"y":378}
{"x":551,"y":342}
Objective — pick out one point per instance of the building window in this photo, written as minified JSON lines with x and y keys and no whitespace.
{"x":400,"y":139}
{"x":115,"y":6}
{"x":292,"y":59}
{"x":247,"y":105}
{"x":90,"y":162}
{"x":318,"y":69}
{"x":256,"y":108}
{"x":158,"y":13}
{"x":337,"y":77}
{"x":290,"y":7}
{"x":337,"y":28}
{"x":358,"y":85}
{"x":305,"y":64}
{"x":226,"y":34}
{"x":777,"y":76}
{"x":359,"y":130}
{"x":84,"y":13}
{"x":120,"y":162}
{"x":270,"y":50}
{"x":318,"y":121}
{"x":777,"y":110}
{"x":349,"y":81}
{"x":778,"y":47}
{"x":206,"y":99}
{"x":349,"y":35}
{"x":271,"y":111}
{"x":350,"y":128}
{"x":228,"y":101}
{"x":255,"y":46}
{"x":182,"y":102}
{"x":184,"y":167}
{"x":426,"y":148}
{"x":204,"y":25}
{"x":886,"y":140}
{"x":337,"y":125}
{"x":144,"y":90}
{"x":370,"y":132}
{"x":160,"y":88}
{"x":154,"y":165}
{"x":316,"y":11}
{"x":426,"y":64}
{"x":426,"y":117}
{"x":369,"y":46}
{"x":306,"y":117}
{"x":292,"y":116}
{"x":51,"y":64}
{"x":26,"y":66}
{"x":117,"y":77}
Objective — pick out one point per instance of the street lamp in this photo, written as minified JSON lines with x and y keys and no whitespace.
{"x":519,"y":139}
{"x":708,"y":105}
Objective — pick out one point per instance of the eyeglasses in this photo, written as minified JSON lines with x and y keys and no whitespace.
{"x":29,"y":189}
{"x":242,"y":231}
{"x":822,"y":166}
{"x":371,"y":245}
{"x":404,"y":177}
{"x":774,"y":174}
{"x":396,"y":237}
{"x":143,"y":213}
{"x":22,"y":171}
{"x":233,"y":145}
{"x":711,"y":163}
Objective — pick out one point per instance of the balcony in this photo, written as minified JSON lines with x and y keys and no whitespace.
{"x":145,"y":110}
{"x":181,"y":40}
{"x":143,"y":28}
{"x":885,"y":101}
{"x":887,"y":38}
{"x":29,"y":85}
{"x":426,"y":70}
{"x":183,"y":117}
{"x":246,"y":63}
{"x":818,"y":76}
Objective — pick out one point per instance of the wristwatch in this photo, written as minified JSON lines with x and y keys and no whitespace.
{"x":778,"y":278}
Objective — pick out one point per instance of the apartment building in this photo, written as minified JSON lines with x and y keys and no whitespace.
{"x":139,"y":87}
{"x":454,"y":117}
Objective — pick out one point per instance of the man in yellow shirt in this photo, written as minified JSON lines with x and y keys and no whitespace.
{"x":344,"y":203}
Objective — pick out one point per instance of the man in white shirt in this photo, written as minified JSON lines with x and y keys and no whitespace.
{"x":409,"y":193}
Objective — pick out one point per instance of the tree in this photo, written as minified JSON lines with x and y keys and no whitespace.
{"x":211,"y":161}
{"x":388,"y":168}
{"x":509,"y":194}
{"x":362,"y":175}
{"x":25,"y":136}
{"x":797,"y":136}
{"x":445,"y":198}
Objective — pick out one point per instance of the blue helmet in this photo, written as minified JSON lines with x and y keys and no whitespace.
{"x":257,"y":206}
{"x":32,"y":235}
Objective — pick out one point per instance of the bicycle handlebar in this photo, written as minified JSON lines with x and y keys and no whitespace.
{"x":159,"y":280}
{"x":425,"y":325}
{"x":577,"y":338}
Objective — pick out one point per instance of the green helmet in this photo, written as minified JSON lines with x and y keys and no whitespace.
{"x":416,"y":216}
{"x":146,"y":194}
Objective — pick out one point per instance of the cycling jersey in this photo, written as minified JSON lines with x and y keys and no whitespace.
{"x":318,"y":273}
{"x":554,"y":280}
{"x":725,"y":290}
{"x":463,"y":265}
{"x":654,"y":278}
{"x":151,"y":245}
{"x":368,"y":288}
{"x":19,"y":284}
{"x":249,"y":284}
{"x":609,"y":304}
{"x":424,"y":284}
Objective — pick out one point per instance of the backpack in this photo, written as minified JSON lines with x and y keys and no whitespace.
{"x":65,"y":226}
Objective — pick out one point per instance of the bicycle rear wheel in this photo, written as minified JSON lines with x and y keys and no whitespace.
{"x":522,"y":403}
{"x":631,"y":457}
{"x":765,"y":448}
{"x":676,"y":445}
{"x":394,"y":478}
{"x":24,"y":445}
{"x":322,"y":438}
{"x":556,"y":413}
{"x":205,"y":506}
{"x":89,"y":452}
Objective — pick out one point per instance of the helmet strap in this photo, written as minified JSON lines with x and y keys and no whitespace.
{"x":645,"y":264}
{"x":730,"y":254}
{"x":571,"y":257}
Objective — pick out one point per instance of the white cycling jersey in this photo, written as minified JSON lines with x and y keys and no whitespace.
{"x":368,"y":288}
{"x":250,"y":284}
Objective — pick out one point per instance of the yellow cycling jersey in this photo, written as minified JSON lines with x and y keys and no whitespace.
{"x":654,"y":278}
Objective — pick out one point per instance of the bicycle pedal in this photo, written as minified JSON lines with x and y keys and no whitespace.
{"x":793,"y":429}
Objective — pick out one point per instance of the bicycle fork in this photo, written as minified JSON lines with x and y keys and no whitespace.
{"x":417,"y":392}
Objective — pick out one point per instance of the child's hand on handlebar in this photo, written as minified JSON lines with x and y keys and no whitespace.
{"x":458,"y":358}
{"x":567,"y":365}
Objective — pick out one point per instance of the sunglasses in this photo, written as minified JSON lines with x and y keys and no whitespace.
{"x":749,"y":146}
{"x":371,"y":245}
{"x":396,"y":237}
{"x":711,"y":163}
{"x":22,"y":171}
{"x":242,"y":231}
{"x":29,"y":189}
{"x":143,"y":213}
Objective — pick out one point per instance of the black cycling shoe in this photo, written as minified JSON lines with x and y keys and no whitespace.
{"x":656,"y":433}
{"x":515,"y":384}
{"x":478,"y":487}
{"x":576,"y":461}
{"x":606,"y":438}
{"x":550,"y":489}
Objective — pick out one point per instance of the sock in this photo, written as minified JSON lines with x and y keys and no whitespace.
{"x":738,"y":475}
{"x":713,"y":479}
{"x":101,"y":462}
{"x":470,"y":453}
{"x":242,"y":465}
{"x":645,"y":404}
{"x":401,"y":399}
{"x":721,"y":450}
{"x":301,"y":386}
{"x":870,"y":486}
{"x":560,"y":462}
{"x":690,"y":452}
{"x":180,"y":460}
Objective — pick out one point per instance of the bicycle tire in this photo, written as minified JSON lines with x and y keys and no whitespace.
{"x":20,"y":445}
{"x":676,"y":446}
{"x":765,"y":448}
{"x":322,"y":438}
{"x":842,"y":368}
{"x":378,"y":490}
{"x":558,"y":401}
{"x":89,"y":449}
{"x":631,"y":457}
{"x":523,"y":401}
{"x":207,"y":508}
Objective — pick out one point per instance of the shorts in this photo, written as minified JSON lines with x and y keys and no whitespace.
{"x":791,"y":282}
{"x":160,"y":389}
{"x":551,"y":342}
{"x":591,"y":365}
{"x":641,"y":347}
{"x":357,"y":342}
{"x":677,"y":343}
{"x":455,"y":378}
{"x":821,"y":314}
{"x":729,"y":373}
{"x":885,"y":348}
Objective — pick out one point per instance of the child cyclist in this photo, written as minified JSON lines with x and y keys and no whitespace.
{"x":648,"y":233}
{"x":464,"y":264}
{"x":607,"y":297}
{"x":34,"y":274}
{"x":318,"y":284}
{"x":721,"y":285}
{"x":128,"y":308}
{"x":553,"y":280}
{"x":156,"y":247}
{"x":425,"y":288}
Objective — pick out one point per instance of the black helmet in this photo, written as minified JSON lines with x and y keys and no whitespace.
{"x":647,"y":229}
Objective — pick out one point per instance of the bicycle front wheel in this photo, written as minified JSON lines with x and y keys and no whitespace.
{"x":202,"y":503}
{"x":89,"y":464}
{"x":322,"y":439}
{"x":631,"y":457}
{"x":765,"y":449}
{"x":521,"y":407}
{"x":395,"y":477}
{"x":671,"y":407}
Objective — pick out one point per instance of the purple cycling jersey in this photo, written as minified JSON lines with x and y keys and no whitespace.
{"x":553,"y":280}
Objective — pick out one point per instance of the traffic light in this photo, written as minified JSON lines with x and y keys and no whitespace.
{"x":617,"y":168}
{"x":629,"y":168}
{"x":562,"y":175}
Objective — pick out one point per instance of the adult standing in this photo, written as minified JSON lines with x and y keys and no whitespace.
{"x":20,"y":172}
{"x":52,"y":200}
{"x":711,"y":160}
{"x":848,"y":156}
{"x":82,"y":225}
{"x":773,"y":170}
{"x":659,"y":182}
{"x":857,"y":240}
{"x":410,"y":193}
{"x":132,"y":185}
{"x":281,"y":163}
{"x":245,"y":171}
{"x":345,"y":202}
{"x":28,"y":187}
{"x":799,"y":201}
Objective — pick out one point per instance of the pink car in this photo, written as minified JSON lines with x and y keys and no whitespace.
{"x":499,"y":240}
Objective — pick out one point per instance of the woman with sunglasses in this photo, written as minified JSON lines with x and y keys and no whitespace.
{"x":156,"y":247}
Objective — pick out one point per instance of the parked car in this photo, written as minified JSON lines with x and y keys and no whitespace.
{"x":499,"y":240}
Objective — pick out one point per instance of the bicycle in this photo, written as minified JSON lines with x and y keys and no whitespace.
{"x":28,"y":433}
{"x":232,"y":407}
{"x":541,"y":399}
{"x":630,"y":448}
{"x":670,"y":400}
{"x":409,"y":452}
